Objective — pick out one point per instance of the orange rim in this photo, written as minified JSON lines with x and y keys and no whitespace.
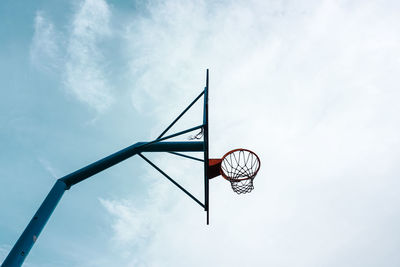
{"x":238,"y":180}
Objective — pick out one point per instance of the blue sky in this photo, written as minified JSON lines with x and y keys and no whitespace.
{"x":312,"y":87}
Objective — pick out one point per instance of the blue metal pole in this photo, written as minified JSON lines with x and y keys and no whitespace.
{"x":24,"y":244}
{"x":117,"y":157}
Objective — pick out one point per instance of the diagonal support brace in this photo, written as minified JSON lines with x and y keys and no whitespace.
{"x":186,"y":156}
{"x":180,"y":115}
{"x":172,"y":180}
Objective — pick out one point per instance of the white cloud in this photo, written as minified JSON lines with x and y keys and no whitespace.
{"x":77,"y":54}
{"x":49,"y":167}
{"x":134,"y":225}
{"x":127,"y":226}
{"x":85,"y":74}
{"x":44,"y":51}
{"x":312,"y":89}
{"x":4,"y":249}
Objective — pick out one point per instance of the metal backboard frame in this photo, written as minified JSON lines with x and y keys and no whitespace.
{"x":32,"y":231}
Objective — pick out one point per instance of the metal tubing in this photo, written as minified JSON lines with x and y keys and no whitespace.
{"x":117,"y":157}
{"x":176,"y":134}
{"x":206,"y":156}
{"x":172,"y":180}
{"x":180,"y":115}
{"x":186,"y":156}
{"x":186,"y":146}
{"x":24,"y":244}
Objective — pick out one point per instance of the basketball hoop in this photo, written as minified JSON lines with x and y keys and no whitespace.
{"x":239,"y":167}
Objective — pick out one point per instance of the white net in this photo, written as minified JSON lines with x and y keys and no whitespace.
{"x":239,"y":167}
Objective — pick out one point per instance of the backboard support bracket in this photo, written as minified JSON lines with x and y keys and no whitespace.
{"x":32,"y":231}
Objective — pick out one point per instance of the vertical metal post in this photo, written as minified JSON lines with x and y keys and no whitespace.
{"x":24,"y":244}
{"x":205,"y":122}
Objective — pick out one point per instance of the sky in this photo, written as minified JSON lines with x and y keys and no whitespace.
{"x":310,"y":86}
